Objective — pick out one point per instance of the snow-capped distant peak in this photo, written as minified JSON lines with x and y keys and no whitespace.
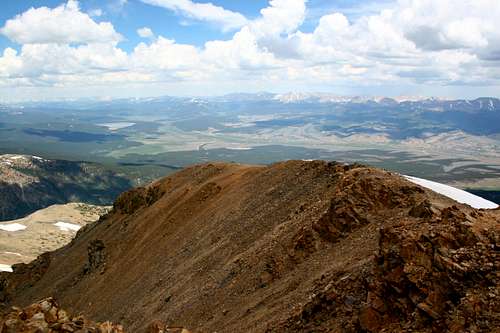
{"x":292,"y":97}
{"x":297,"y":97}
{"x":401,"y":99}
{"x":19,"y":158}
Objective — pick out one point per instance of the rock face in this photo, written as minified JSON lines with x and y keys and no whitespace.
{"x":29,"y":183}
{"x":96,"y":257}
{"x":293,"y":247}
{"x":46,"y":316}
{"x":443,"y":270}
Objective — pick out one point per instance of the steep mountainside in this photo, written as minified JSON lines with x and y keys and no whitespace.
{"x":29,"y":183}
{"x":293,"y":247}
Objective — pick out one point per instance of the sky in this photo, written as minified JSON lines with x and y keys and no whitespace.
{"x":55,"y":49}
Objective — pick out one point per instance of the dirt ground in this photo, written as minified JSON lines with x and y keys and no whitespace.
{"x":41,"y":234}
{"x":293,"y":247}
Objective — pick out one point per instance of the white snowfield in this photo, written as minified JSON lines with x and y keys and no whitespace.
{"x":239,"y":148}
{"x":454,"y":193}
{"x":12,"y":227}
{"x":64,"y":226}
{"x":5,"y":268}
{"x":14,"y":253}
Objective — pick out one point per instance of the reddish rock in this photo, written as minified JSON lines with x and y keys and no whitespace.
{"x":46,"y":317}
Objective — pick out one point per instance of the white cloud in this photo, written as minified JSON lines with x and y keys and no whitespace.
{"x":10,"y":63}
{"x":428,"y":42}
{"x":281,"y":16}
{"x":241,"y":52}
{"x":45,"y":60}
{"x":165,"y":54}
{"x":451,"y":24}
{"x":63,"y":24}
{"x":452,"y":45}
{"x":145,"y":32}
{"x":208,"y":12}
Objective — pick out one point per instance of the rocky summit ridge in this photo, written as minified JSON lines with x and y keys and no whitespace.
{"x":292,"y":247}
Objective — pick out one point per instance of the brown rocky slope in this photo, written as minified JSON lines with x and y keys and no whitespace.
{"x":296,"y":246}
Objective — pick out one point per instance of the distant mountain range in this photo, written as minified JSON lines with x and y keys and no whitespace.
{"x":482,"y":103}
{"x":451,"y":141}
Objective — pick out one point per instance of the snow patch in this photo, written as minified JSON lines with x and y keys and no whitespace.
{"x":5,"y":268}
{"x":13,"y":253}
{"x":12,"y":227}
{"x":239,"y":148}
{"x":64,"y":226}
{"x":117,"y":126}
{"x":454,"y":193}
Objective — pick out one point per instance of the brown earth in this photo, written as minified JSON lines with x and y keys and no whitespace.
{"x":42,"y":234}
{"x":293,"y":247}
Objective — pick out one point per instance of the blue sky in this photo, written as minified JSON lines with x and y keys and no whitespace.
{"x":132,"y":15}
{"x":68,"y":49}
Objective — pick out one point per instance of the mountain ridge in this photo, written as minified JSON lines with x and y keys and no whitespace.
{"x":487,"y":103}
{"x":231,"y":247}
{"x":29,"y":183}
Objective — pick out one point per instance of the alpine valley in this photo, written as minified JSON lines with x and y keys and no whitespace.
{"x":451,"y":141}
{"x":247,"y":244}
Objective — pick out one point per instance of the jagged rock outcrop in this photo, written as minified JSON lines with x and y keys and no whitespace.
{"x":293,"y":247}
{"x":96,"y":257}
{"x":437,"y":275}
{"x":47,"y":316}
{"x":131,"y":201}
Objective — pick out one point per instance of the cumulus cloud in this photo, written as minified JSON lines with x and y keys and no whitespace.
{"x":39,"y":60}
{"x":10,"y":63}
{"x":281,"y":16}
{"x":241,"y":52}
{"x":415,"y":42}
{"x":451,"y":25}
{"x":63,"y":24}
{"x":422,"y":41}
{"x":208,"y":12}
{"x":165,"y":54}
{"x":145,"y":32}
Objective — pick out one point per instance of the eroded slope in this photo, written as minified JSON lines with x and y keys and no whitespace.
{"x":296,"y":246}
